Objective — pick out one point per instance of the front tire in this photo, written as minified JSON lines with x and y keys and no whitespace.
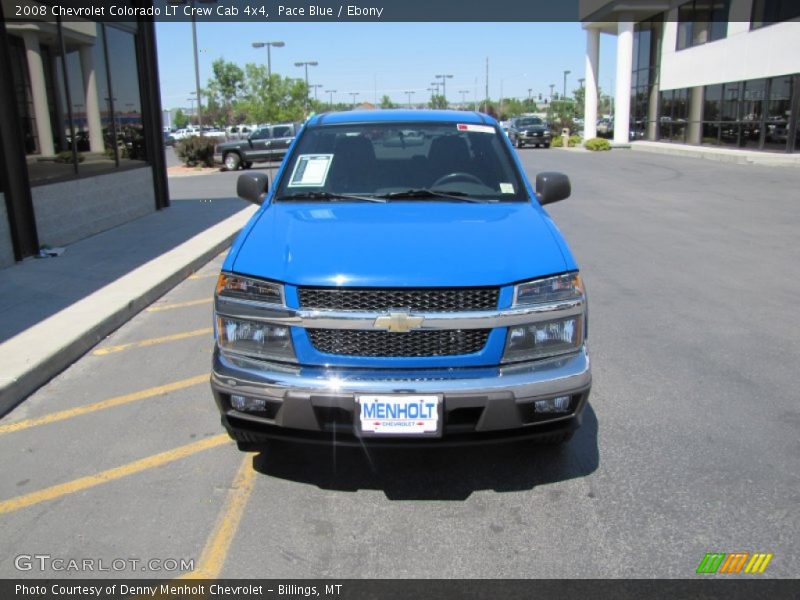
{"x":247,"y":165}
{"x":547,"y":145}
{"x":232,"y":161}
{"x":518,"y":144}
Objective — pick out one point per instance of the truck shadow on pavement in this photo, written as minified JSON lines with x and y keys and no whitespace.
{"x":436,"y":474}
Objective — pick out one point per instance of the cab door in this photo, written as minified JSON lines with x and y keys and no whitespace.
{"x":259,"y":145}
{"x":282,"y":136}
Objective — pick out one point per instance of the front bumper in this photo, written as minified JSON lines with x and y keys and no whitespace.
{"x":318,"y":405}
{"x":535,"y":138}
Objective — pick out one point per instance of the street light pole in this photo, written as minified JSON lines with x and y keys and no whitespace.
{"x":444,"y":78}
{"x":197,"y":72}
{"x":354,"y":94}
{"x":316,"y":86}
{"x":331,"y":92}
{"x":552,"y":87}
{"x":306,"y":64}
{"x":269,"y":45}
{"x":565,"y":83}
{"x":409,"y":93}
{"x":463,"y":95}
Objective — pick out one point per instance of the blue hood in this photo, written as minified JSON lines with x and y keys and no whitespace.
{"x":400,"y":244}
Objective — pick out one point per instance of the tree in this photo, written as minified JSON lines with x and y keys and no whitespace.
{"x":386,"y":102}
{"x":223,"y":91}
{"x":273,"y":99}
{"x":180,"y":120}
{"x":437,"y":101}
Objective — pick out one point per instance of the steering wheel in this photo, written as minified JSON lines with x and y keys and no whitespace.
{"x":457,"y":176}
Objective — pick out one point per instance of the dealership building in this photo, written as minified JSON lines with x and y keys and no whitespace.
{"x":80,"y":137}
{"x":717,"y":73}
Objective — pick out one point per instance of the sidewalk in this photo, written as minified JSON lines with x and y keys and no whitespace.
{"x":55,"y":309}
{"x":735,"y":155}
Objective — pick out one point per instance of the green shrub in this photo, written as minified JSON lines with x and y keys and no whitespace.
{"x":196,"y":150}
{"x":66,"y":157}
{"x":597,"y":144}
{"x":557,"y":142}
{"x":574,"y":140}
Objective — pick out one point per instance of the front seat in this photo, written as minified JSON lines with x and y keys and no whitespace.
{"x":448,"y":154}
{"x":353,"y":166}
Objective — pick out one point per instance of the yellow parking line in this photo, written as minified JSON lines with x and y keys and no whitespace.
{"x":216,"y":549}
{"x":153,"y":341}
{"x":82,"y":410}
{"x":83,"y":483}
{"x":160,"y":307}
{"x":206,"y":276}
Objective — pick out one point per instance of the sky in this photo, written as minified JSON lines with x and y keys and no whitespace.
{"x":374,"y":59}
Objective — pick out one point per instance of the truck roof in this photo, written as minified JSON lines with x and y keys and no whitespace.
{"x":400,"y":116}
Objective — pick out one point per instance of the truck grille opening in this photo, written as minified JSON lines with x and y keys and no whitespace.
{"x":421,"y":299}
{"x":349,"y":342}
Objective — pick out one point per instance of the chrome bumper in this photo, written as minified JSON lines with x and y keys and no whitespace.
{"x":501,"y":396}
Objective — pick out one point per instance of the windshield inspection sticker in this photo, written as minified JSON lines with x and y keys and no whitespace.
{"x":507,"y":188}
{"x":310,"y":170}
{"x":475,"y":128}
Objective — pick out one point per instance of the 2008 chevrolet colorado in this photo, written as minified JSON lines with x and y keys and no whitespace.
{"x":401,"y":284}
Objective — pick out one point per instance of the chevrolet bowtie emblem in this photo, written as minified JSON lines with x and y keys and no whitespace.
{"x":398,"y":322}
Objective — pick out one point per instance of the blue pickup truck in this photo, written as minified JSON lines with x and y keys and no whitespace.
{"x":401,"y":284}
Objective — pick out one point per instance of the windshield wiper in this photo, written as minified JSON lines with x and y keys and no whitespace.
{"x":329,"y":196}
{"x":426,"y":193}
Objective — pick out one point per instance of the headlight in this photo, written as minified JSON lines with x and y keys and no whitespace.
{"x":547,"y":291}
{"x":560,"y":335}
{"x":547,"y":338}
{"x":241,"y":335}
{"x":246,"y":288}
{"x":256,"y":339}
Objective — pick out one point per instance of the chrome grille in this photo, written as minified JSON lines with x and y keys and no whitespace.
{"x":352,"y":342}
{"x":419,"y":299}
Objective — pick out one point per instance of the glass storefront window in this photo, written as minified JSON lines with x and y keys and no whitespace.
{"x":74,"y":124}
{"x":752,"y":108}
{"x":779,"y":109}
{"x":712,"y":109}
{"x":127,"y":99}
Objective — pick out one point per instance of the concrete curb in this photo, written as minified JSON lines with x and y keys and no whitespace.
{"x":729,"y":155}
{"x":33,"y":357}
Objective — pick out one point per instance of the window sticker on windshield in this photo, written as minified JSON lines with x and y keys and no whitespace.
{"x":310,"y":170}
{"x":507,"y":188}
{"x":475,"y":128}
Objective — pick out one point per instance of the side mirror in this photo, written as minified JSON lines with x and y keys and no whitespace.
{"x":552,"y":187}
{"x":252,"y":187}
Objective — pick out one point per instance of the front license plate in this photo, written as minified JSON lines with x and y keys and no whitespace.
{"x":400,"y":415}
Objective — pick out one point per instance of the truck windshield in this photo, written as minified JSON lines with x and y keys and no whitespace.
{"x":440,"y":162}
{"x":529,"y":122}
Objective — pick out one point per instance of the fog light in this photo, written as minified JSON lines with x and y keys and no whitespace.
{"x":246,"y":403}
{"x":552,"y":405}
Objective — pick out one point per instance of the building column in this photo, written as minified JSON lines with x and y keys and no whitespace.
{"x":695,"y":133}
{"x":92,"y":102}
{"x":652,"y":111}
{"x":622,"y":96}
{"x":44,"y":131}
{"x":590,"y":91}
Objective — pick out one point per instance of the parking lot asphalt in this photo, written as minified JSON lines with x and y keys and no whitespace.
{"x":690,"y":443}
